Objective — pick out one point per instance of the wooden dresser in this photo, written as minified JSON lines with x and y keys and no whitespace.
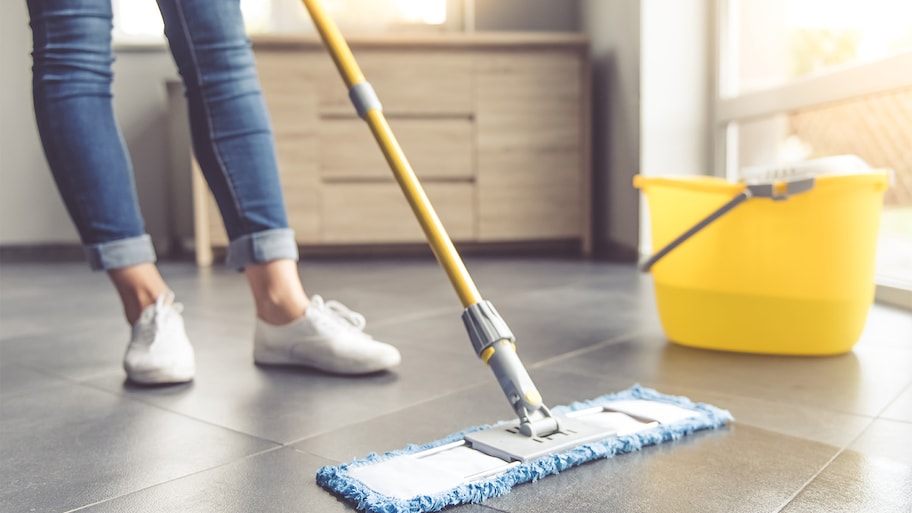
{"x":496,"y":126}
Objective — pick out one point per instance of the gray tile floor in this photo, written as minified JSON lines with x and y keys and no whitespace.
{"x":811,"y":434}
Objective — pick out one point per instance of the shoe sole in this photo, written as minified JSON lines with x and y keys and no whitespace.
{"x":160,"y":376}
{"x":264,"y":356}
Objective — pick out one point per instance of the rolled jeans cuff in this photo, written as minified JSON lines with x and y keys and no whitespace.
{"x":120,"y":253}
{"x":260,"y":247}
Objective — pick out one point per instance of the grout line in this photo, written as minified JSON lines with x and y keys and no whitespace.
{"x":375,"y":417}
{"x":826,"y":465}
{"x":587,"y":349}
{"x":43,"y":372}
{"x":535,"y":365}
{"x":890,"y":403}
{"x":809,"y":481}
{"x":173,"y":412}
{"x":411,"y":316}
{"x":200,"y":471}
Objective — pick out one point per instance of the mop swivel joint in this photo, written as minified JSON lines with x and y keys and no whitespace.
{"x":495,"y":345}
{"x":485,"y":327}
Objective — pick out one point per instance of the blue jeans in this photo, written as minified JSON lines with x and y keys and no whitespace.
{"x":230,"y":127}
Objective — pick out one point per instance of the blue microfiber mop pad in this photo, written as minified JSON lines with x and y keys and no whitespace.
{"x":338,"y":479}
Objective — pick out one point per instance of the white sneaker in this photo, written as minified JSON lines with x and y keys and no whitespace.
{"x":328,"y":337}
{"x":159,"y":351}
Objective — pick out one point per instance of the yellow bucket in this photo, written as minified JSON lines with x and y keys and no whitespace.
{"x":781,"y":276}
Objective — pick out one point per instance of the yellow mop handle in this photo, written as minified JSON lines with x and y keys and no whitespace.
{"x":490,"y":336}
{"x":436,"y":235}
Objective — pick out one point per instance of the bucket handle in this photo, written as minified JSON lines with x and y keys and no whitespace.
{"x":777,"y":191}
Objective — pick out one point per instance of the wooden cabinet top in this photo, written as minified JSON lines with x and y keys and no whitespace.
{"x":455,"y":40}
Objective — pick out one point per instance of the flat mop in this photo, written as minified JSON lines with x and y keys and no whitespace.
{"x":486,"y":461}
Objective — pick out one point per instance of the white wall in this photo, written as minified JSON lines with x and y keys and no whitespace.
{"x":652,"y":72}
{"x":676,"y":76}
{"x":31,"y":211}
{"x":614,"y":30}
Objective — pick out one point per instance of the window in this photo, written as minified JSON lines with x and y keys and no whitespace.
{"x":774,"y":42}
{"x":138,"y":21}
{"x":802,"y":79}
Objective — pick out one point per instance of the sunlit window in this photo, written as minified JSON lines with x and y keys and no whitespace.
{"x":257,"y":15}
{"x":422,"y":11}
{"x":139,"y":20}
{"x":774,"y":41}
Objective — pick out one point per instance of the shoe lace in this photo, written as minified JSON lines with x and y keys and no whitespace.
{"x":342,"y":312}
{"x":153,"y":320}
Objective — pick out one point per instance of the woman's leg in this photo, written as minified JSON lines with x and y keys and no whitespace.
{"x":84,"y":148}
{"x":83,"y":145}
{"x":233,"y":143}
{"x":71,"y":85}
{"x":229,"y":126}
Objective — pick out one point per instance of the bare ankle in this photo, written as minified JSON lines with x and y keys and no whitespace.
{"x":277,"y":291}
{"x":138,"y":287}
{"x":280,"y":309}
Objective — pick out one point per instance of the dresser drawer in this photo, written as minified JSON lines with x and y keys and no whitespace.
{"x":428,"y":82}
{"x":379,"y":212}
{"x":437,"y":149}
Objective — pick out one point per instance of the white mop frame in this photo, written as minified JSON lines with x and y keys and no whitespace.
{"x":361,"y":482}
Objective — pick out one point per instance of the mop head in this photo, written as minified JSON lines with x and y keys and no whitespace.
{"x":453,"y":473}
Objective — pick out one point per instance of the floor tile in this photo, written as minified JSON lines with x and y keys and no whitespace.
{"x":862,"y":382}
{"x":856,"y":483}
{"x":75,"y":353}
{"x":434,"y":419}
{"x":799,"y":421}
{"x":901,"y":407}
{"x":69,"y":446}
{"x":18,"y":328}
{"x":284,"y":405}
{"x":17,"y":379}
{"x":55,"y":297}
{"x":811,"y":434}
{"x":887,"y":328}
{"x":279,"y":481}
{"x":569,"y":319}
{"x":735,"y":469}
{"x":888,"y":439}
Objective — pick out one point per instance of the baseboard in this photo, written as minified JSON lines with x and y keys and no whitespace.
{"x":42,"y":253}
{"x":612,"y":251}
{"x":567,"y":248}
{"x":570,"y":248}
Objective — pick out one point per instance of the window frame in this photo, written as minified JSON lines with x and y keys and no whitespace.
{"x":841,"y":83}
